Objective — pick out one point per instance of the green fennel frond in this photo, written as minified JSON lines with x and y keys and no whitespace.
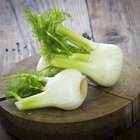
{"x":44,"y":28}
{"x":23,"y":85}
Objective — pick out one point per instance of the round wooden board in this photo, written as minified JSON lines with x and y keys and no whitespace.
{"x":103,"y":114}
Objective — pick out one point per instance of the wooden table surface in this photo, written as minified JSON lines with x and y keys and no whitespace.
{"x":108,"y":21}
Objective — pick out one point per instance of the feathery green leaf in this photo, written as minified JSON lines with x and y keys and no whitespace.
{"x":44,"y":26}
{"x":24,"y":85}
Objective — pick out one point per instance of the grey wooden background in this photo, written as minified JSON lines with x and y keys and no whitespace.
{"x":108,"y":21}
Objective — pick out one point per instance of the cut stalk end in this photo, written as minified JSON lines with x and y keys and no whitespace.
{"x":83,"y":86}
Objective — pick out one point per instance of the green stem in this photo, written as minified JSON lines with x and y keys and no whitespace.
{"x":36,"y":101}
{"x":35,"y":88}
{"x":79,"y":56}
{"x":76,"y":38}
{"x":18,"y":75}
{"x":43,"y":79}
{"x":64,"y":62}
{"x":16,"y":96}
{"x":55,"y":39}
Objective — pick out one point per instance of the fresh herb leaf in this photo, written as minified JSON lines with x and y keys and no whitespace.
{"x":24,"y":85}
{"x":44,"y":28}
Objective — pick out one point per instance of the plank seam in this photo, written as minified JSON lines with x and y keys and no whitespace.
{"x":89,"y":20}
{"x":131,"y":101}
{"x":108,"y":92}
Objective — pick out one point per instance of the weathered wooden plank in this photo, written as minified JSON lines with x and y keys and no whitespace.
{"x":77,"y":9}
{"x":79,"y":13}
{"x":133,"y":12}
{"x":31,"y":42}
{"x":117,"y":21}
{"x":11,"y":41}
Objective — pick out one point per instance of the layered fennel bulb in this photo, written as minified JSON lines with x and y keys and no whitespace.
{"x":103,"y":65}
{"x":62,"y":48}
{"x":66,"y":90}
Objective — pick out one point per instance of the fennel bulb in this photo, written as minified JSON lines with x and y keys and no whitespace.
{"x":66,"y":90}
{"x":103,"y":66}
{"x":63,"y":48}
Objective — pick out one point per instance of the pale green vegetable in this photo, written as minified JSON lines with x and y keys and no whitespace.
{"x":66,"y":90}
{"x":103,"y":66}
{"x":63,"y":48}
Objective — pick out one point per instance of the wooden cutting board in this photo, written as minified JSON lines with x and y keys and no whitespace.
{"x":104,"y":113}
